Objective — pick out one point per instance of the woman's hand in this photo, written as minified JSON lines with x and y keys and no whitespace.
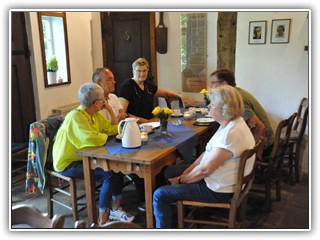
{"x":107,"y":106}
{"x":187,"y":100}
{"x":121,"y":116}
{"x":174,"y":181}
{"x":153,"y":120}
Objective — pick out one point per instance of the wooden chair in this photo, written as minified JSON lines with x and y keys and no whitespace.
{"x":31,"y":216}
{"x":238,"y":201}
{"x":61,"y":190}
{"x":180,"y":103}
{"x":108,"y":225}
{"x":270,"y":167}
{"x":296,"y":139}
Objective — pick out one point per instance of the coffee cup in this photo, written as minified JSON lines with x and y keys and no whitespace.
{"x":176,"y":112}
{"x":187,"y":115}
{"x":204,"y":111}
{"x":192,"y":111}
{"x":146,"y":128}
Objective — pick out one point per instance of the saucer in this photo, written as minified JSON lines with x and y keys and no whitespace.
{"x":154,"y":125}
{"x":205,"y":120}
{"x":177,"y":115}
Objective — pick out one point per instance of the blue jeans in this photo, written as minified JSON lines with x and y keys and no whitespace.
{"x":109,"y":181}
{"x":164,"y":196}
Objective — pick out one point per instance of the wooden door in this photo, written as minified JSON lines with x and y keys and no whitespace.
{"x":127,"y":36}
{"x":22,"y":97}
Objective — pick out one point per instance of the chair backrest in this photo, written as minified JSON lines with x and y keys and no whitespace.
{"x":245,"y":180}
{"x":31,"y":216}
{"x":281,"y":141}
{"x":41,"y":138}
{"x":179,"y":104}
{"x":300,"y":123}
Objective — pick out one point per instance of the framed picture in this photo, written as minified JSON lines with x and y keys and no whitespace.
{"x":280,"y":30}
{"x":257,"y":32}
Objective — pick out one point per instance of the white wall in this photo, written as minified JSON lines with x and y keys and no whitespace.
{"x":277,"y":74}
{"x":80,"y":53}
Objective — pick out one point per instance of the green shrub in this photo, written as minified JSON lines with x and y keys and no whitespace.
{"x":52,"y":64}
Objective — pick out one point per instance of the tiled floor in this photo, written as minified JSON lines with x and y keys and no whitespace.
{"x":292,"y":212}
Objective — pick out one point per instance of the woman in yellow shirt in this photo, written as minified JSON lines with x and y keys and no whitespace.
{"x":85,"y":126}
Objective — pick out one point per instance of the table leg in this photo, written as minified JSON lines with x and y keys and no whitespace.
{"x":90,"y":190}
{"x":149,"y":186}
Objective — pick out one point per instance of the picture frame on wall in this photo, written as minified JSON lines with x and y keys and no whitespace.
{"x":280,"y":30}
{"x":257,"y":32}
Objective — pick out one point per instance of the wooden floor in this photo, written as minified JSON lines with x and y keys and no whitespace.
{"x":292,"y":212}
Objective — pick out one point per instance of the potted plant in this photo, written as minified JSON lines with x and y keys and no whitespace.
{"x":52,"y":68}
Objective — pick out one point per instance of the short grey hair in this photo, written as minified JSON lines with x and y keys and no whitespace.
{"x":140,"y":62}
{"x":89,"y":93}
{"x":96,"y":76}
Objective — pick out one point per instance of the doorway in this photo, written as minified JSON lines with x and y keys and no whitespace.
{"x":127,"y":36}
{"x":22,"y":97}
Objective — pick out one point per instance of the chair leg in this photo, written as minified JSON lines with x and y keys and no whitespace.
{"x":73,"y":199}
{"x":278,"y":190}
{"x":180,"y":213}
{"x":243,"y":210}
{"x":49,"y":196}
{"x":268,"y":197}
{"x":232,"y":216}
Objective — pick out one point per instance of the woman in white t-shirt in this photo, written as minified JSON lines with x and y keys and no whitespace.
{"x":212,"y":176}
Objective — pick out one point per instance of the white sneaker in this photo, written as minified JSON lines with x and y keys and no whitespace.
{"x":121,"y":215}
{"x":142,"y":206}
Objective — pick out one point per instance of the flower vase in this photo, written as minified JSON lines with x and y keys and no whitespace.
{"x":206,"y":100}
{"x":163,"y":126}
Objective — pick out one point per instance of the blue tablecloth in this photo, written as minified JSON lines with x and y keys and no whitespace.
{"x":181,"y":137}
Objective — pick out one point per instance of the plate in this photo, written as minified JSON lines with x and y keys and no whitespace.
{"x":153,"y":124}
{"x":177,"y":115}
{"x":205,"y":120}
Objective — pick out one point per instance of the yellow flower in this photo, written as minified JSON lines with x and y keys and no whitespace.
{"x":156,"y":110}
{"x":205,"y":97}
{"x":162,"y":113}
{"x":204,"y":91}
{"x":168,"y":111}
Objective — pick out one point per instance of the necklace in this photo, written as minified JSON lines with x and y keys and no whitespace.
{"x":136,"y":90}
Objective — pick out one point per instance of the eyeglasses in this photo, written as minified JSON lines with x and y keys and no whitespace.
{"x":98,"y":100}
{"x":215,"y":82}
{"x":141,"y":71}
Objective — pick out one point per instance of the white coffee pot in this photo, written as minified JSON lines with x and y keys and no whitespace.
{"x":130,"y":135}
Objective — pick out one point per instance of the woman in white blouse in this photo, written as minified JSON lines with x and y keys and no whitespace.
{"x":212,"y":177}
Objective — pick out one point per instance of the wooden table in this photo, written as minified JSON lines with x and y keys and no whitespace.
{"x":146,"y":164}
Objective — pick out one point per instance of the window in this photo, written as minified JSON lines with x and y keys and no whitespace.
{"x":54,"y":44}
